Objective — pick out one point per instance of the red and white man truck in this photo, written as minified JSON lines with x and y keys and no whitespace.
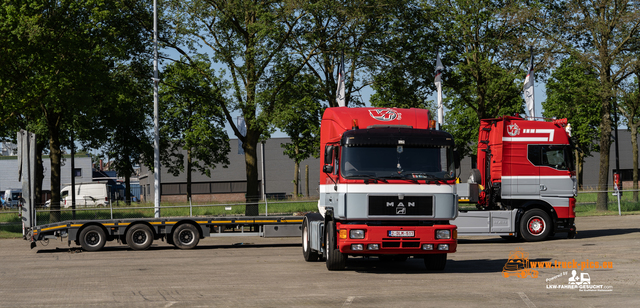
{"x":525,"y":184}
{"x":387,"y":188}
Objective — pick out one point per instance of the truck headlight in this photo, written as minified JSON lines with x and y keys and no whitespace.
{"x":357,"y":247}
{"x":443,"y":234}
{"x":427,"y":247}
{"x":443,"y":246}
{"x":356,"y":234}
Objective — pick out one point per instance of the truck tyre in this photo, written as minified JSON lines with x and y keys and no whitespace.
{"x":309,"y":254}
{"x":535,"y":225}
{"x":92,"y":238}
{"x":336,"y":260}
{"x":435,"y":262}
{"x":139,"y":237}
{"x":186,"y":236}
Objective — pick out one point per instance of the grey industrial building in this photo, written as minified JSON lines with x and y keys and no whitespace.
{"x":229,"y":184}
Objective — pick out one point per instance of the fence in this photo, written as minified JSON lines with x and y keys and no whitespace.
{"x":146,"y":210}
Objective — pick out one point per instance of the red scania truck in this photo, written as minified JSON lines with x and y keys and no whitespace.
{"x":525,"y":184}
{"x":387,"y":188}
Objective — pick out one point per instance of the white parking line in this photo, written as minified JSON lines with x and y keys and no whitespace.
{"x":526,"y":300}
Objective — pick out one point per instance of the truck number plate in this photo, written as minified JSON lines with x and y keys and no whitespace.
{"x":397,"y":233}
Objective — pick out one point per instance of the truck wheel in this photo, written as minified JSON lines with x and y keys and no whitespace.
{"x":92,"y":238}
{"x":139,"y":237}
{"x":535,"y":225}
{"x":435,"y":262}
{"x":336,"y":260}
{"x":186,"y":236}
{"x":309,"y":254}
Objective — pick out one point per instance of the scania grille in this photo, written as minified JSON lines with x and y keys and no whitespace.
{"x":396,"y":206}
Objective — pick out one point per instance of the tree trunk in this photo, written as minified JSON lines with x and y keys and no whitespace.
{"x":306,"y":180}
{"x":127,"y":190}
{"x":605,"y":148}
{"x":252,"y":195}
{"x":579,"y":168}
{"x":189,"y":162}
{"x":296,"y":179}
{"x":39,"y":172}
{"x":55,"y":156}
{"x":296,"y":175}
{"x":634,"y":146}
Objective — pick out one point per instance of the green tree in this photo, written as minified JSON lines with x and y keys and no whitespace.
{"x":127,"y":120}
{"x":572,"y":93}
{"x":485,"y":49}
{"x":299,"y":115}
{"x":333,"y":29}
{"x":629,"y":107}
{"x":191,"y":122}
{"x":602,"y":34}
{"x":407,"y":44}
{"x":247,"y":38}
{"x":62,"y":63}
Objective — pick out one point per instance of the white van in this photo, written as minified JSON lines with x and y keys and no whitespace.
{"x":12,"y":197}
{"x":87,"y":194}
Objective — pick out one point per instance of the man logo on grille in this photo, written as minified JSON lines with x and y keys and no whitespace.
{"x":401,"y":210}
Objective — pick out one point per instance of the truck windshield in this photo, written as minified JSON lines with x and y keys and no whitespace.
{"x":385,"y":162}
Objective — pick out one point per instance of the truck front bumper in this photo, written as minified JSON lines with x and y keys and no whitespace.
{"x":396,"y":240}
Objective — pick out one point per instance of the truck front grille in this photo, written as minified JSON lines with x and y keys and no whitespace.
{"x":407,"y":206}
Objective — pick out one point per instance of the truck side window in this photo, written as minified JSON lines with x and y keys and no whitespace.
{"x":533,"y":153}
{"x":548,"y":155}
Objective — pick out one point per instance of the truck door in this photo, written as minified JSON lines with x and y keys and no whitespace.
{"x":556,"y":179}
{"x":528,"y":183}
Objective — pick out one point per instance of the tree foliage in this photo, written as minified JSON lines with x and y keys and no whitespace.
{"x":191,"y":121}
{"x":484,"y":48}
{"x":572,"y":93}
{"x":602,"y":34}
{"x":299,"y":114}
{"x":62,"y":56}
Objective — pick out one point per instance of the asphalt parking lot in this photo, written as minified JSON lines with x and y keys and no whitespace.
{"x":259,"y":272}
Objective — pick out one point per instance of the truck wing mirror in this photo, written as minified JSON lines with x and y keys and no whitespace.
{"x":327,"y":169}
{"x":328,"y":155}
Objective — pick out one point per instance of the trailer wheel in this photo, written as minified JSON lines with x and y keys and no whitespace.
{"x":535,"y":225}
{"x":139,"y":237}
{"x":92,"y":238}
{"x":309,"y":254}
{"x":186,"y":236}
{"x":435,"y":262}
{"x":336,"y":260}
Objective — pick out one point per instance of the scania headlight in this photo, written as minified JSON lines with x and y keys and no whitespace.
{"x":356,"y":234}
